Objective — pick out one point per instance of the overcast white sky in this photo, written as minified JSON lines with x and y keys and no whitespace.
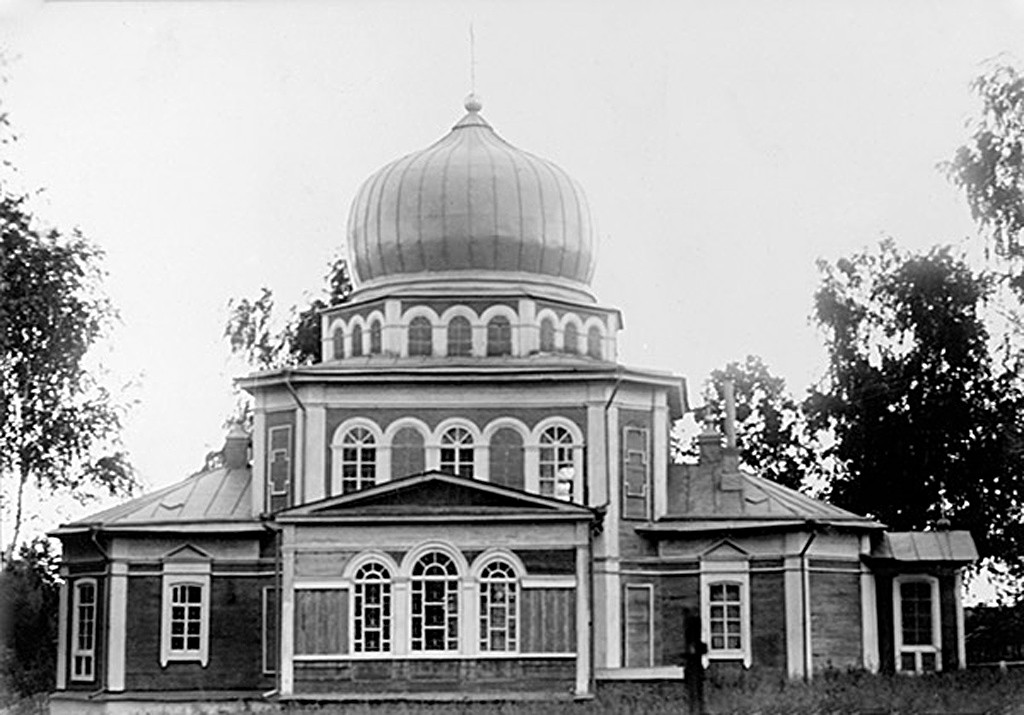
{"x":214,"y":147}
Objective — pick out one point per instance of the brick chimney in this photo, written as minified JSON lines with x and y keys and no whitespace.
{"x":236,"y":448}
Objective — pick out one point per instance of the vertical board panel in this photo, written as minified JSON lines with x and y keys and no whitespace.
{"x":548,"y":620}
{"x":321,"y":622}
{"x":835,"y":621}
{"x":270,"y":648}
{"x":638,"y":625}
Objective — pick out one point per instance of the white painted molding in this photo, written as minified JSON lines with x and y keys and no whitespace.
{"x":117,"y":628}
{"x":62,"y":636}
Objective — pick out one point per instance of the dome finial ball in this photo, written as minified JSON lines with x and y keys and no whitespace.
{"x":473,"y":103}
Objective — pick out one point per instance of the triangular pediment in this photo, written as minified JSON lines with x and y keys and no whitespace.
{"x":725,"y":550}
{"x":187,"y":553}
{"x":435,"y":493}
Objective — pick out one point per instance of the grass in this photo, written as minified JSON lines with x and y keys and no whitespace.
{"x":751,"y":693}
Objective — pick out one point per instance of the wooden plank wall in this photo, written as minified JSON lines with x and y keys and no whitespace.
{"x":835,"y":621}
{"x":321,"y":622}
{"x":548,"y":620}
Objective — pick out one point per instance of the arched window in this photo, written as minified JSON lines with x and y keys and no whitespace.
{"x":557,"y":464}
{"x":358,"y":460}
{"x":571,"y":338}
{"x":375,"y":337}
{"x":421,"y":338}
{"x":83,"y":630}
{"x":506,"y":458}
{"x":457,"y":452}
{"x":357,"y":341}
{"x":371,"y":611}
{"x":499,"y":336}
{"x":435,"y":603}
{"x":594,"y":342}
{"x":407,"y":453}
{"x":499,"y":608}
{"x":460,"y":337}
{"x":547,"y":335}
{"x":339,"y":344}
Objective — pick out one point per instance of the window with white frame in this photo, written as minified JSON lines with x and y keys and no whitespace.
{"x":916,"y":616}
{"x":457,"y":452}
{"x":460,"y":337}
{"x":547,"y":335}
{"x":571,"y":339}
{"x":725,"y":609}
{"x":338,"y":344}
{"x":421,"y":337}
{"x":83,"y":630}
{"x":371,"y":613}
{"x":594,"y":342}
{"x":435,"y":603}
{"x":375,"y":342}
{"x":499,"y":608}
{"x":499,"y":336}
{"x":357,"y":341}
{"x":186,"y":613}
{"x":358,"y":460}
{"x":557,"y":464}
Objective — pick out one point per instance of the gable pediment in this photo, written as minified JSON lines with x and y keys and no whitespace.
{"x":436,"y":493}
{"x":186,"y":553}
{"x":725,"y":550}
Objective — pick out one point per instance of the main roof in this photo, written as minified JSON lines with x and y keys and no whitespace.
{"x":468,"y":206}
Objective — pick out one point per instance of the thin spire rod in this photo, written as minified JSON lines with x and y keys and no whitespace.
{"x":472,"y":60}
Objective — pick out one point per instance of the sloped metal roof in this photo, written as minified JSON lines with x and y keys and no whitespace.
{"x":746,"y":500}
{"x":217,"y":496}
{"x":957,"y":546}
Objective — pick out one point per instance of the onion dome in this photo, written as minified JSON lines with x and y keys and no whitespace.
{"x":471,"y":207}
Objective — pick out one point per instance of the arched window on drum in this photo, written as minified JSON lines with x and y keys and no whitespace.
{"x":460,"y":337}
{"x":421,"y":337}
{"x":358,"y":460}
{"x":457,"y":453}
{"x":499,"y":336}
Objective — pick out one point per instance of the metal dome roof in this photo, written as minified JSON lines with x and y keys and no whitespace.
{"x":471,"y":207}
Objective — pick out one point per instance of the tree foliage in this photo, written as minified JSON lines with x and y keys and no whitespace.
{"x":990,"y":166}
{"x":59,"y":426}
{"x":28,"y":626}
{"x":253,"y":334}
{"x":926,"y":425}
{"x":770,"y":427}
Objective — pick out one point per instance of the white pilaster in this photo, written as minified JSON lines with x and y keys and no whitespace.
{"x":315,"y":475}
{"x":660,"y":457}
{"x":529,"y":332}
{"x":117,"y":628}
{"x":868,"y":611}
{"x":596,"y":467}
{"x":259,"y":461}
{"x":62,"y":632}
{"x":793,"y":587}
{"x":391,"y":333}
{"x":400,"y":622}
{"x":469,"y":623}
{"x":958,"y":604}
{"x":288,"y":611}
{"x":583,"y":616}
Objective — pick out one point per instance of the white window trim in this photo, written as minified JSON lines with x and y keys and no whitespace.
{"x":737,"y":572}
{"x":649,"y":587}
{"x":176,"y":574}
{"x":353,"y":587}
{"x":476,"y":577}
{"x":338,"y":446}
{"x":76,"y":625}
{"x":897,"y":615}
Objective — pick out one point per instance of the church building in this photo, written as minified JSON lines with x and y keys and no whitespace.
{"x":469,"y":496}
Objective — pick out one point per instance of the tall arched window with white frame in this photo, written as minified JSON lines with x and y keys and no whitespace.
{"x":457,"y":453}
{"x":594,"y":342}
{"x":357,"y":341}
{"x":499,"y":608}
{"x":338,"y":343}
{"x":499,"y":336}
{"x":371,"y":609}
{"x":547,"y":335}
{"x":571,"y":339}
{"x":435,"y":603}
{"x":421,"y":337}
{"x":375,"y":342}
{"x":83,"y":630}
{"x":358,"y":460}
{"x":557,"y":476}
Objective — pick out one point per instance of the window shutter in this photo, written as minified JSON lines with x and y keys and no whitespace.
{"x":279,"y":467}
{"x":635,"y":473}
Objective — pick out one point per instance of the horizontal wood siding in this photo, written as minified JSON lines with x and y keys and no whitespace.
{"x":675,"y":598}
{"x":768,"y":619}
{"x":835,"y":621}
{"x":548,"y":620}
{"x":532,"y":675}
{"x":561,"y":562}
{"x":321,"y":563}
{"x":236,"y":652}
{"x":321,"y":622}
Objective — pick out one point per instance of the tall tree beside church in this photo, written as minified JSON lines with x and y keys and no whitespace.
{"x":59,"y":426}
{"x":253,"y":334}
{"x":990,"y":167}
{"x":770,"y":427}
{"x":926,"y":424}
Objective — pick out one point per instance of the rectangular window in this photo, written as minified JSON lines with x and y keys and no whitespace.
{"x":635,"y":473}
{"x":186,"y":613}
{"x":725,"y":620}
{"x":83,"y":631}
{"x":279,"y":467}
{"x":916,"y":611}
{"x":639,"y":625}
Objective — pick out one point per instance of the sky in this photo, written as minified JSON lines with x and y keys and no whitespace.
{"x":214,"y":147}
